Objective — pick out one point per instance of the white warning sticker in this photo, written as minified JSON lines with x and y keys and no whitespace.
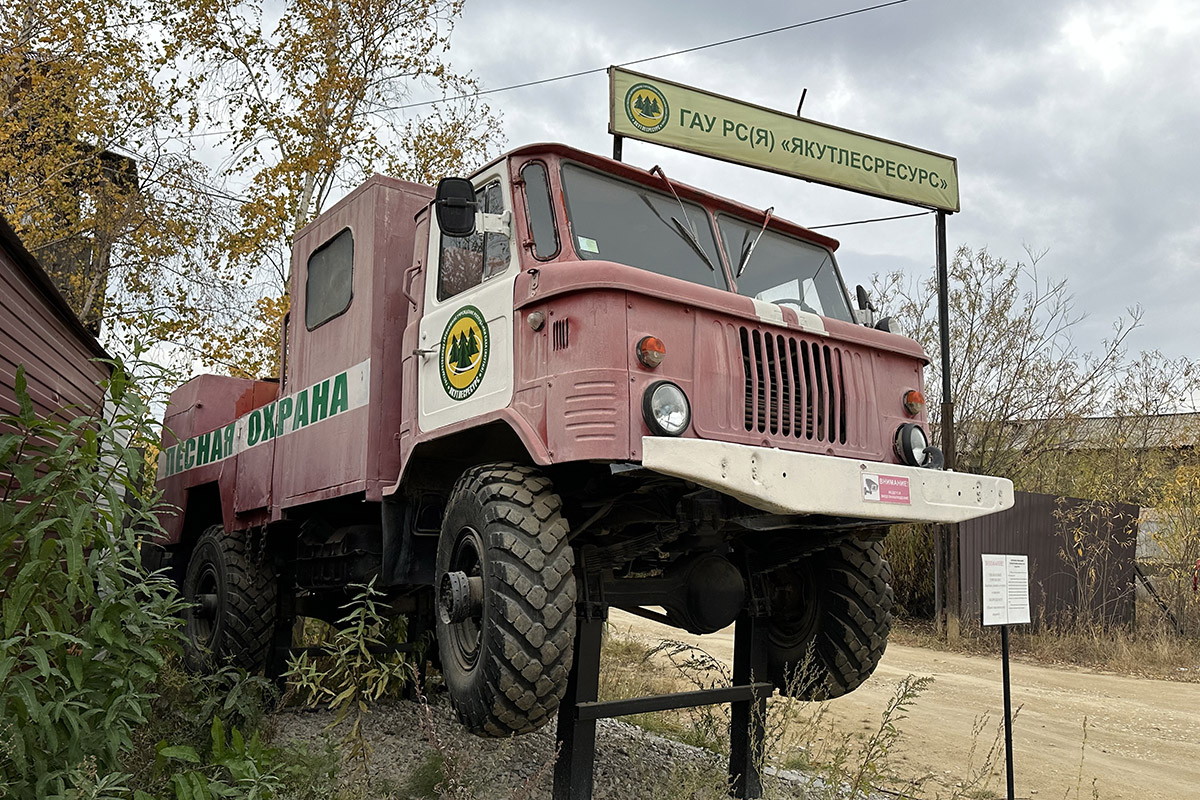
{"x":878,"y":488}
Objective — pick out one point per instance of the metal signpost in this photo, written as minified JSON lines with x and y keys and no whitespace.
{"x":685,"y":118}
{"x":1006,"y":602}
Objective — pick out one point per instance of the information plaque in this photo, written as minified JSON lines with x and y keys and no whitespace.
{"x":1005,"y":589}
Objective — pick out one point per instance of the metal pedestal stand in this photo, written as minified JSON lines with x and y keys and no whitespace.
{"x":579,"y":710}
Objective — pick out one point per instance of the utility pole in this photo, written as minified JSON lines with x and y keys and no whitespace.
{"x":947,"y":541}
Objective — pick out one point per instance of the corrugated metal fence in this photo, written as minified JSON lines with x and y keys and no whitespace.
{"x":1081,"y":557}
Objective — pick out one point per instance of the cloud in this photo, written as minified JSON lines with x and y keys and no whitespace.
{"x":1073,"y":123}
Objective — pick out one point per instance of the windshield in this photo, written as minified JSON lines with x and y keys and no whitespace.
{"x":784,"y":270}
{"x":631,"y":224}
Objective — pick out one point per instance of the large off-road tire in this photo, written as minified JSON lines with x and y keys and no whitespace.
{"x":830,"y":618}
{"x":506,"y":659}
{"x":231,"y":593}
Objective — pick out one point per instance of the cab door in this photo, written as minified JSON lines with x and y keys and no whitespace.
{"x":466,"y":348}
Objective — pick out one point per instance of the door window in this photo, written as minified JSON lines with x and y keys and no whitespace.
{"x":467,"y":261}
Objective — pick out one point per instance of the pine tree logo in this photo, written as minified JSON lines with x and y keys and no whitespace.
{"x":647,"y":108}
{"x":465,"y":345}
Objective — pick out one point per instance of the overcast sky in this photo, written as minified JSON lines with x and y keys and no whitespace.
{"x":1074,"y":124}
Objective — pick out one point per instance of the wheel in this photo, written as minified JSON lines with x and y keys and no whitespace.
{"x":830,"y":618}
{"x":506,"y":600}
{"x":231,"y":595}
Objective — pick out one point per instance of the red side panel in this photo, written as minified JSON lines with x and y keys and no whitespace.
{"x":197,"y":413}
{"x":572,"y":375}
{"x":355,"y":451}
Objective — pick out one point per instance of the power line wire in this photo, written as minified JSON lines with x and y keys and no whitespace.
{"x":596,"y":70}
{"x":222,"y":194}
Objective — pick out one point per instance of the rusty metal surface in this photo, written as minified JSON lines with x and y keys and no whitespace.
{"x":1063,"y":584}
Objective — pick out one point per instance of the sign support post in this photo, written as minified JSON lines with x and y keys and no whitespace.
{"x":948,"y":602}
{"x":1006,"y":602}
{"x":1008,"y":755}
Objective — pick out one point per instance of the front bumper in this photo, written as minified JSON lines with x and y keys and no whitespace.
{"x":783,"y":482}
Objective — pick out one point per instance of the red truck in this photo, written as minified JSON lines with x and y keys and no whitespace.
{"x":564,"y":379}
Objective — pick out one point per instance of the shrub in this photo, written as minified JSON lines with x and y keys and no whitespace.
{"x":909,"y":549}
{"x":83,"y":630}
{"x":355,"y":668}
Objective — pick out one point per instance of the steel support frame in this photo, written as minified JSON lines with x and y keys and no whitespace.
{"x":580,"y":708}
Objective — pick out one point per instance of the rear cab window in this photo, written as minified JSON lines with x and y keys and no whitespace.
{"x":329,"y":283}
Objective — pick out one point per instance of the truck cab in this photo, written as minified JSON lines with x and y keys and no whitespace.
{"x":563,"y":383}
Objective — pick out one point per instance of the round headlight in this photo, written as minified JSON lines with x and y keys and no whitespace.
{"x":911,"y":444}
{"x":665,"y":408}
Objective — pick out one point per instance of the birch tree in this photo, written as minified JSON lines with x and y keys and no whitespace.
{"x":89,"y":175}
{"x":307,"y":108}
{"x":107,"y":107}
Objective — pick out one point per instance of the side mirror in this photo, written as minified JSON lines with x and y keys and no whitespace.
{"x":454,"y":203}
{"x":864,"y":300}
{"x":866,"y":309}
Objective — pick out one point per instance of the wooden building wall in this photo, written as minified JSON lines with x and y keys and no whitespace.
{"x":39,"y":330}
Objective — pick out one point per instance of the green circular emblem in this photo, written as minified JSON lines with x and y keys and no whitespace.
{"x":647,"y":108}
{"x":464,"y":358}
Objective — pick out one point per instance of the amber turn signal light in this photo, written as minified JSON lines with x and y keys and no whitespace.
{"x":914,"y":402}
{"x":651,"y":351}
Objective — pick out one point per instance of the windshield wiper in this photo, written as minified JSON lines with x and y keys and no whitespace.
{"x":690,"y":237}
{"x":749,"y":251}
{"x":688,"y":233}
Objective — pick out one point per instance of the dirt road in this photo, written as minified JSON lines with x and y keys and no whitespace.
{"x":1143,"y":736}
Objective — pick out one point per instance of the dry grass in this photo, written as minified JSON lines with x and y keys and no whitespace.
{"x":801,"y":736}
{"x":631,"y":668}
{"x":1153,"y":651}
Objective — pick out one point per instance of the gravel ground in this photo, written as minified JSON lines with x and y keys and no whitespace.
{"x":630,"y":762}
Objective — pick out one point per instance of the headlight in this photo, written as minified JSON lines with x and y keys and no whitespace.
{"x":665,"y":409}
{"x":911,"y":444}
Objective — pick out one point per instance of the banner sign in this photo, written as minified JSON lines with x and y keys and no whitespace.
{"x":670,"y":114}
{"x":323,"y":400}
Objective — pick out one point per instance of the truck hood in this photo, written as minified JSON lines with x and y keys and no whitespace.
{"x":558,"y":278}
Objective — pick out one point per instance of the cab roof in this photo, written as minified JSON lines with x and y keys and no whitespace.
{"x":552,"y":151}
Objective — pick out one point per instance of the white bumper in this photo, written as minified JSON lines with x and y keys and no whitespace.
{"x":783,"y":482}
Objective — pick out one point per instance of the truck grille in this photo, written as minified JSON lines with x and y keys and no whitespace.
{"x":793,"y":387}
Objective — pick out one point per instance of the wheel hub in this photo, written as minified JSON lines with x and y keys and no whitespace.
{"x":206,"y":605}
{"x":206,"y":610}
{"x":460,"y":597}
